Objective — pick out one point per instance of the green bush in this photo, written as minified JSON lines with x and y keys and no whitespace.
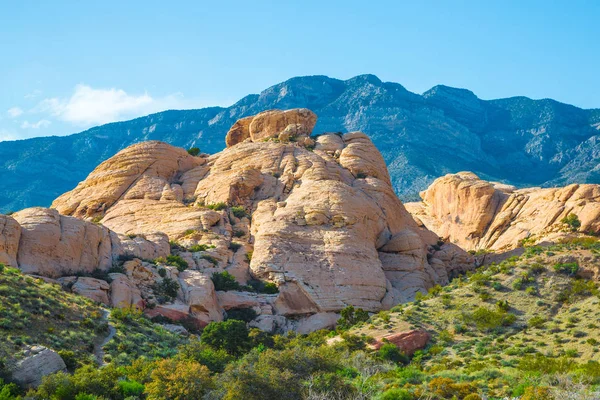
{"x":390,"y":352}
{"x":230,"y":335}
{"x":215,"y":360}
{"x":197,"y":247}
{"x":241,"y":314}
{"x":233,"y":246}
{"x":351,"y":316}
{"x":486,"y":320}
{"x":225,"y":281}
{"x":217,"y":206}
{"x":193,"y":151}
{"x":239,"y":211}
{"x":178,"y":262}
{"x":572,"y":222}
{"x":131,"y":388}
{"x":396,"y":394}
{"x":567,"y":268}
{"x":536,"y":322}
{"x":166,"y":290}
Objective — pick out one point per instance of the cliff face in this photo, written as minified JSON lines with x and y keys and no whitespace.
{"x":317,"y":216}
{"x":520,"y":141}
{"x":476,"y":214}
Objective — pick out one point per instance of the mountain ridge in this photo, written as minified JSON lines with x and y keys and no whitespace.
{"x":515,"y":140}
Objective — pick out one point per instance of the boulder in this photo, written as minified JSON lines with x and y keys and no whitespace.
{"x":124,"y":292}
{"x":407,"y":342}
{"x":317,"y":322}
{"x":38,"y":363}
{"x":94,"y":289}
{"x":199,"y":293}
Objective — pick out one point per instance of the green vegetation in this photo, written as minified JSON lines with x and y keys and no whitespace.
{"x":193,"y":151}
{"x":572,"y":222}
{"x":225,"y":281}
{"x":33,"y":312}
{"x":217,"y":206}
{"x":489,"y":340}
{"x":239,"y":211}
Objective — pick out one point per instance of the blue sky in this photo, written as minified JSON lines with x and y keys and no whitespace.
{"x":69,"y":65}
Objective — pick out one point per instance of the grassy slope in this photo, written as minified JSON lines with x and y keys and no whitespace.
{"x":558,"y":317}
{"x":33,"y":312}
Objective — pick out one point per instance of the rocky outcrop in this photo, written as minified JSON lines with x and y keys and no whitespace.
{"x":39,"y":362}
{"x":476,"y":214}
{"x":296,"y":124}
{"x":407,"y":342}
{"x":10,"y":234}
{"x":316,"y":216}
{"x":40,"y":241}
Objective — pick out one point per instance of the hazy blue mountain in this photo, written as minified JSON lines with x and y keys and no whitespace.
{"x":516,"y":140}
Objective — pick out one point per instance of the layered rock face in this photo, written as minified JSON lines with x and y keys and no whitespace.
{"x":317,"y":216}
{"x":476,"y":214}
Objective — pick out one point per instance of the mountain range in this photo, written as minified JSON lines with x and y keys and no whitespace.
{"x":517,"y":140}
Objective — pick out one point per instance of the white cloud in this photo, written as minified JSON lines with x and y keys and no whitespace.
{"x":14,"y":112}
{"x":35,"y":125}
{"x":89,"y":106}
{"x":33,"y":95}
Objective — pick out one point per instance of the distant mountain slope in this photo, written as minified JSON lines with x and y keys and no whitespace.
{"x":517,"y":140}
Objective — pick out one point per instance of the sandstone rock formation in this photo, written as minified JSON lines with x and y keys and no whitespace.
{"x":316,"y":216}
{"x":39,"y":362}
{"x":40,"y":241}
{"x":476,"y":214}
{"x":296,"y":124}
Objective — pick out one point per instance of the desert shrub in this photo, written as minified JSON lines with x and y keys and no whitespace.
{"x":536,"y":322}
{"x":396,"y":394}
{"x":69,"y":358}
{"x":391,"y":353}
{"x":503,"y":305}
{"x":543,"y":364}
{"x":166,"y":290}
{"x":217,"y":206}
{"x":537,"y":268}
{"x":351,"y":316}
{"x":537,"y":393}
{"x":193,"y":151}
{"x":230,"y":335}
{"x":518,"y":284}
{"x":9,"y":391}
{"x":210,"y":259}
{"x":179,"y":380}
{"x":567,"y":268}
{"x":241,"y":314}
{"x":249,"y":256}
{"x":178,"y":262}
{"x":447,"y":388}
{"x":197,"y":247}
{"x":233,"y":246}
{"x":239,"y":211}
{"x":225,"y":281}
{"x":486,"y":320}
{"x":572,"y":222}
{"x":215,"y":359}
{"x":131,"y":388}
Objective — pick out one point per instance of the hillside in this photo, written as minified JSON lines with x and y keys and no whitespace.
{"x":523,"y":328}
{"x":520,"y":141}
